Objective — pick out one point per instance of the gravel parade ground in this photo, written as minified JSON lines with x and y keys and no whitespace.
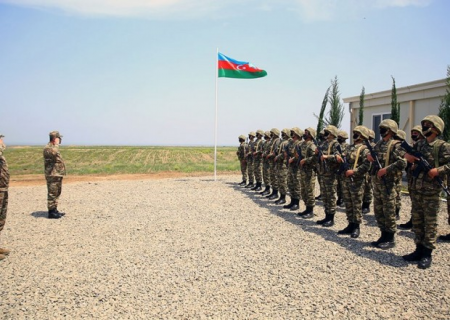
{"x":195,"y":248}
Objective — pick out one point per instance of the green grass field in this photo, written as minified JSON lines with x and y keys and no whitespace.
{"x":106,"y":160}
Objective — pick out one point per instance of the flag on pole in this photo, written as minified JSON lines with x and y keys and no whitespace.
{"x":230,"y":68}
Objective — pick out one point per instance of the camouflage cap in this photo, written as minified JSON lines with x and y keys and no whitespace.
{"x":241,"y":137}
{"x":275,"y":131}
{"x":342,"y":134}
{"x":371,"y":134}
{"x":363,"y":131}
{"x":418,"y":129}
{"x":437,"y":122}
{"x":312,"y":132}
{"x":297,"y":131}
{"x":332,"y":130}
{"x":252,"y":133}
{"x":259,"y":131}
{"x":286,"y":131}
{"x":389,"y":124}
{"x":401,"y":135}
{"x":55,"y":134}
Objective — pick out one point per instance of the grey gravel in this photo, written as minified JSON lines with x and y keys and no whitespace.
{"x":196,"y":248}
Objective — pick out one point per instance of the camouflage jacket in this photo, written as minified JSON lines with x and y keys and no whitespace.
{"x":241,"y":151}
{"x":259,"y":143}
{"x":393,"y":160}
{"x":362,"y":163}
{"x":251,"y":148}
{"x":329,"y":149}
{"x":53,"y":163}
{"x":308,"y":150}
{"x":437,"y":149}
{"x":4,"y":172}
{"x":274,"y":148}
{"x":281,"y":150}
{"x":291,"y":148}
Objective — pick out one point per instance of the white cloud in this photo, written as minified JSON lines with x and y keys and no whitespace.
{"x":402,"y":3}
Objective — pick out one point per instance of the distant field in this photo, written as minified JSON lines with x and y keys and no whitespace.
{"x":125,"y":160}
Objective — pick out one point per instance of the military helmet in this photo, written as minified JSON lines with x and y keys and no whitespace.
{"x":332,"y":130}
{"x":363,"y":131}
{"x":436,"y":121}
{"x":286,"y":131}
{"x":55,"y":134}
{"x":312,"y":132}
{"x":342,"y":134}
{"x":418,"y":129}
{"x":401,"y":134}
{"x":259,"y":131}
{"x":267,"y":134}
{"x":297,"y":131}
{"x":389,"y":124}
{"x":371,"y":134}
{"x":275,"y":131}
{"x":241,"y":137}
{"x":252,"y":133}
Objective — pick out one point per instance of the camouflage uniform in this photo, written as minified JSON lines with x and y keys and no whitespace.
{"x":308,"y":173}
{"x":320,"y":143}
{"x":4,"y":184}
{"x":401,"y":136}
{"x":367,"y":197}
{"x":342,"y":136}
{"x":266,"y":163}
{"x":281,"y":167}
{"x":293,"y":177}
{"x":257,"y":159}
{"x":241,"y":156}
{"x":55,"y":170}
{"x":353,"y":186}
{"x":390,"y":155}
{"x":250,"y":160}
{"x":274,"y":147}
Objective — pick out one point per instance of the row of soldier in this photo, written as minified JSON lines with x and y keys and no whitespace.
{"x":353,"y":175}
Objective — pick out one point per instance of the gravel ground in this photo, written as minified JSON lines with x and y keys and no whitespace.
{"x":196,"y":248}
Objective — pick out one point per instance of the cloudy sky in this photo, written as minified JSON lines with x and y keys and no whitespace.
{"x":142,"y":72}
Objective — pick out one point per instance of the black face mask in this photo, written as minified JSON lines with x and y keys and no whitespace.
{"x":326,"y":134}
{"x":383,"y":131}
{"x":427,"y":131}
{"x":415,"y":137}
{"x":305,"y":136}
{"x":340,"y":140}
{"x":355,"y":136}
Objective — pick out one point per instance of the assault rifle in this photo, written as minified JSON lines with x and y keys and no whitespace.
{"x":299,"y":152}
{"x":320,"y":154}
{"x":344,"y":165}
{"x":423,"y":165}
{"x":275,"y":148}
{"x":376,"y":164}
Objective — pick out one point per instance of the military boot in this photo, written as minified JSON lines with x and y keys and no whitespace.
{"x":397,"y":213}
{"x":255,"y":186}
{"x":266,"y":191}
{"x":339,"y":202}
{"x":416,"y":255}
{"x":366,"y":207}
{"x":347,"y":230}
{"x":295,"y":205}
{"x":308,"y":213}
{"x":243,"y":183}
{"x":445,"y":238}
{"x":288,"y":206}
{"x":4,"y":251}
{"x":274,"y":195}
{"x":389,"y":241}
{"x":250,"y":185}
{"x":62,"y":214}
{"x":323,"y":220}
{"x":356,"y":231}
{"x":281,"y":200}
{"x":406,"y":226}
{"x":425,"y":260}
{"x":258,"y":187}
{"x":52,"y":214}
{"x":380,"y":240}
{"x":329,"y":221}
{"x":319,"y":197}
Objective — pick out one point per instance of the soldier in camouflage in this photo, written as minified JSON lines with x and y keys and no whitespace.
{"x":425,"y":198}
{"x":257,"y":160}
{"x":4,"y":184}
{"x":266,"y":163}
{"x":308,"y":164}
{"x":293,"y":178}
{"x":342,"y":137}
{"x":55,"y":170}
{"x":281,"y":166}
{"x":384,"y":182}
{"x":400,"y":136}
{"x":367,"y":198}
{"x":329,"y":163}
{"x":250,"y":159}
{"x":274,"y":147}
{"x":241,"y":157}
{"x":320,"y":140}
{"x":353,"y":180}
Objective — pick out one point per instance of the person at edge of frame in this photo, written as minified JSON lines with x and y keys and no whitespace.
{"x":4,"y":185}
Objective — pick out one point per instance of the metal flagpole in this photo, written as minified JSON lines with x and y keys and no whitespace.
{"x":215,"y":127}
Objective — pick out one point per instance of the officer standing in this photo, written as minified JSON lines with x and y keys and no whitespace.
{"x":55,"y":170}
{"x":384,"y":181}
{"x":308,"y":164}
{"x":241,"y":156}
{"x":4,"y":184}
{"x":266,"y":163}
{"x":249,"y":158}
{"x":280,"y":162}
{"x":293,"y":178}
{"x":257,"y":155}
{"x":274,"y":147}
{"x":425,"y":199}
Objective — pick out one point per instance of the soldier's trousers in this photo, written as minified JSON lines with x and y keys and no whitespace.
{"x":293,"y":181}
{"x":384,"y":204}
{"x":244,"y":170}
{"x":54,"y":188}
{"x":273,"y":175}
{"x":329,"y":186}
{"x":352,"y":193}
{"x":3,"y":208}
{"x":367,"y":198}
{"x":250,"y":173}
{"x":257,"y":170}
{"x":339,"y":187}
{"x":320,"y":179}
{"x":398,"y":197}
{"x":266,"y":172}
{"x":282,"y":177}
{"x":425,"y":209}
{"x":307,"y":186}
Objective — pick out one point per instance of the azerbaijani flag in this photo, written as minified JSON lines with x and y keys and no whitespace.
{"x":230,"y":68}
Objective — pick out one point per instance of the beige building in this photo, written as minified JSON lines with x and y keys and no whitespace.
{"x":416,"y":102}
